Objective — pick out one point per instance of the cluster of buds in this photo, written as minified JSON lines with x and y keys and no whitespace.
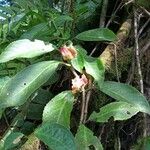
{"x":68,"y":52}
{"x":78,"y":83}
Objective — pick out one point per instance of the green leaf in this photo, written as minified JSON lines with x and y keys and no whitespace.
{"x":56,"y":136}
{"x":2,"y":15}
{"x":25,"y":49}
{"x":19,"y":88}
{"x":58,"y":110}
{"x":60,"y":20}
{"x":85,"y":138}
{"x":95,"y":68}
{"x":6,"y":9}
{"x":117,"y":110}
{"x":144,"y":3}
{"x":142,"y":144}
{"x":100,"y":34}
{"x":78,"y":62}
{"x":16,"y":21}
{"x":3,"y":81}
{"x":126,"y":93}
{"x":36,"y":31}
{"x":12,"y":140}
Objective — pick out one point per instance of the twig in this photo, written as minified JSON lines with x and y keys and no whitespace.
{"x":103,"y":13}
{"x":74,"y":72}
{"x":101,"y":21}
{"x":143,"y":27}
{"x":145,"y":48}
{"x":131,"y":1}
{"x":94,"y":49}
{"x":113,"y":14}
{"x":88,"y":96}
{"x":145,"y":10}
{"x":116,"y":63}
{"x":82,"y":106}
{"x":102,"y":131}
{"x":139,"y":66}
{"x":137,"y":51}
{"x":131,"y":71}
{"x":6,"y":120}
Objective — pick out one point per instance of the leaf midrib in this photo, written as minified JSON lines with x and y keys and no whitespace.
{"x":108,"y":90}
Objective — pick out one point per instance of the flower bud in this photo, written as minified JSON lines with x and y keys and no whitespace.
{"x":68,"y":52}
{"x":78,"y":83}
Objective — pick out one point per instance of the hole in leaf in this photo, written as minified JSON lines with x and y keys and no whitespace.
{"x":91,"y":147}
{"x":128,"y":113}
{"x":24,"y":83}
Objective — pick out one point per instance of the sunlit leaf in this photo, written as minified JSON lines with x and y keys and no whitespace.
{"x":100,"y":34}
{"x":126,"y":93}
{"x":56,"y":136}
{"x":25,"y":49}
{"x":117,"y":110}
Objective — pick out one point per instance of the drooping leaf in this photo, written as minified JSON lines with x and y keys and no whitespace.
{"x":117,"y":110}
{"x":25,"y":49}
{"x":100,"y":34}
{"x":126,"y":93}
{"x":12,"y":140}
{"x":56,"y":136}
{"x":95,"y":68}
{"x":18,"y":89}
{"x":85,"y":138}
{"x":58,"y":110}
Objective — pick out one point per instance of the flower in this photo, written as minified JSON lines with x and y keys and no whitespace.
{"x":68,"y":52}
{"x":78,"y":83}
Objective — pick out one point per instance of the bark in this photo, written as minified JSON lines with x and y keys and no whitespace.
{"x":117,"y":51}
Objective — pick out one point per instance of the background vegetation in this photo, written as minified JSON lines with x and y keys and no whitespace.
{"x":38,"y":107}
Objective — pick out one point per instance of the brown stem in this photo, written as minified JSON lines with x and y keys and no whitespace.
{"x":82,"y":107}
